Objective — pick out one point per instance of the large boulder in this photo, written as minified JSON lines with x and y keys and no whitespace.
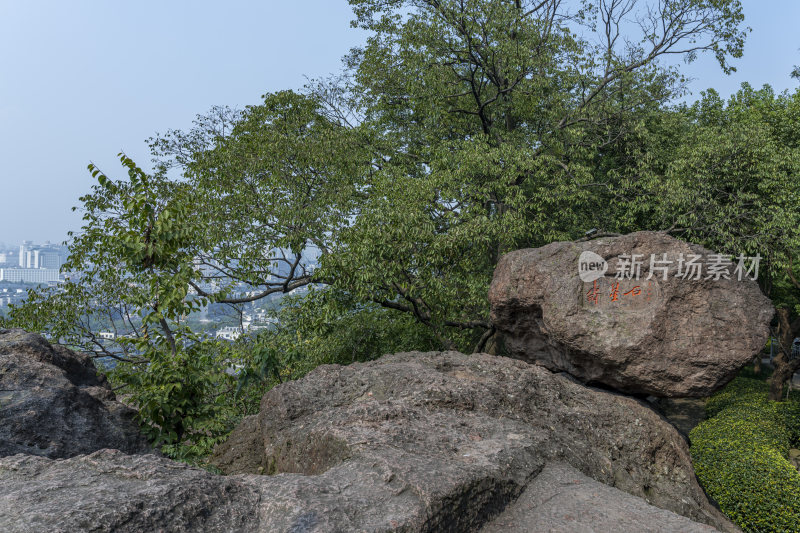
{"x":53,"y":403}
{"x":667,"y":336}
{"x":446,"y":441}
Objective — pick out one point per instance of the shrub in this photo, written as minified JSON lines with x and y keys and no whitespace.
{"x":740,"y":453}
{"x":184,"y":400}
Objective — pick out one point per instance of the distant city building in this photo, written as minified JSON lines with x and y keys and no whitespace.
{"x":32,"y":259}
{"x":23,"y":253}
{"x":50,"y":259}
{"x":229,"y":333}
{"x":8,"y":258}
{"x":46,"y":255}
{"x":29,"y":275}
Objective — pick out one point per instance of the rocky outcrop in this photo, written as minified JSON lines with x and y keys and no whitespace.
{"x":666,"y":336}
{"x":111,"y":492}
{"x":53,"y":403}
{"x":446,"y":441}
{"x":413,"y":442}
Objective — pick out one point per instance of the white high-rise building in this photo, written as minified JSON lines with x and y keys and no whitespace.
{"x":32,"y":259}
{"x":23,"y":253}
{"x":41,"y":256}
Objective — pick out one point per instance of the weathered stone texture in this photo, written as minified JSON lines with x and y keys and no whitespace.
{"x":671,"y":338}
{"x":53,"y":403}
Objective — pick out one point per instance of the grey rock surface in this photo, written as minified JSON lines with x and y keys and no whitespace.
{"x":53,"y":403}
{"x":413,"y":442}
{"x":444,"y":441}
{"x":669,"y":338}
{"x":109,"y":491}
{"x":562,"y":500}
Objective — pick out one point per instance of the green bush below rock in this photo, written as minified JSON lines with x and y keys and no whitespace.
{"x":740,"y":455}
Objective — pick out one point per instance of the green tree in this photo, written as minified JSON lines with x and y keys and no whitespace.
{"x":484,"y":118}
{"x":130,"y":271}
{"x":725,"y":175}
{"x":272,"y":186}
{"x":460,"y":131}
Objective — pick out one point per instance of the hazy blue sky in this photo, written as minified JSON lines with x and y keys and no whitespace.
{"x":82,"y":80}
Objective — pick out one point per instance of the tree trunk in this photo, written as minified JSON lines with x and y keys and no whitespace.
{"x":784,"y":370}
{"x":757,"y":364}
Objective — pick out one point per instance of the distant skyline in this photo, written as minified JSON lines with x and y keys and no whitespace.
{"x":81,"y":81}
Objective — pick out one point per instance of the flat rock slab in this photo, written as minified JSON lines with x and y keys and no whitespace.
{"x":668,"y":336}
{"x":53,"y":403}
{"x":562,"y":500}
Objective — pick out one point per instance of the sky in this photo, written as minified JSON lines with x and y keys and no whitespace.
{"x":81,"y":81}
